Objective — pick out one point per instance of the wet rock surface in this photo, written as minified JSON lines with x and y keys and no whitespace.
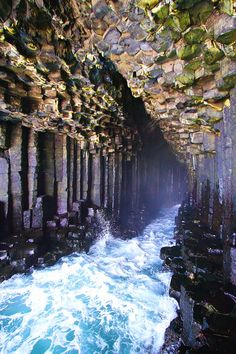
{"x":40,"y":247}
{"x":207,"y":302}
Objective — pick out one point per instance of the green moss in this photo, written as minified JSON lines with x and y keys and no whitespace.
{"x":230,"y":79}
{"x":227,"y":37}
{"x":201,"y":11}
{"x":198,"y":100}
{"x":223,"y":86}
{"x":9,"y":33}
{"x":161,"y":59}
{"x":230,"y":51}
{"x":226,"y":6}
{"x":178,"y":22}
{"x":186,"y":4}
{"x":162,"y":41}
{"x":172,"y":54}
{"x":147,"y":4}
{"x":214,"y":120}
{"x":185,"y":79}
{"x":165,"y":57}
{"x":194,"y":64}
{"x":161,"y":12}
{"x":189,"y":52}
{"x":212,"y":55}
{"x":213,"y":67}
{"x":175,"y":36}
{"x":199,"y":121}
{"x":195,"y":35}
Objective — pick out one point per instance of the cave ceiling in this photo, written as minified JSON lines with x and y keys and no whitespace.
{"x":62,"y":63}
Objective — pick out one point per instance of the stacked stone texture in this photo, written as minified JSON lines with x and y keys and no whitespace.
{"x":179,"y":56}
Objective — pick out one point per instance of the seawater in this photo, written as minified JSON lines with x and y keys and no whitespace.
{"x":112,"y":300}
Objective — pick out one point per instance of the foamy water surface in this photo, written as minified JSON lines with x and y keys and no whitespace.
{"x":113,"y":300}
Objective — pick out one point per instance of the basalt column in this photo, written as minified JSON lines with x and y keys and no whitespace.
{"x":62,"y":176}
{"x":204,"y":259}
{"x":15,"y":181}
{"x":45,"y":175}
{"x":96,"y":179}
{"x":4,"y":178}
{"x":118,"y":182}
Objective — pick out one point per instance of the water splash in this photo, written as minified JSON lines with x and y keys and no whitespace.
{"x":113,"y":300}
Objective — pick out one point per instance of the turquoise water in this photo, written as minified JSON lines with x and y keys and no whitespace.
{"x":113,"y":300}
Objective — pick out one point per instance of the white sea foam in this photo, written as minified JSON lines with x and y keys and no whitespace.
{"x":112,"y":300}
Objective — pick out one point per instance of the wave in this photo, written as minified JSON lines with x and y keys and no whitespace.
{"x":112,"y":300}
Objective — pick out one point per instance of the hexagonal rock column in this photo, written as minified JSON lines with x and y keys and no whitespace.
{"x":4,"y":185}
{"x":111,"y":181}
{"x":61,"y":173}
{"x":85,"y":173}
{"x":32,"y":163}
{"x":96,"y":179}
{"x":71,"y":172}
{"x":118,"y":181}
{"x":15,"y":177}
{"x":78,"y":171}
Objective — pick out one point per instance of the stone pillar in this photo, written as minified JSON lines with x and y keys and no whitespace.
{"x":85,"y":173}
{"x":61,"y":173}
{"x":71,"y":170}
{"x":233,"y":132}
{"x":78,"y":171}
{"x":134,"y":183}
{"x":49,"y":164}
{"x":4,"y":189}
{"x":118,"y":181}
{"x":32,"y":167}
{"x":4,"y":141}
{"x":229,"y":206}
{"x":96,"y":179}
{"x":225,"y":157}
{"x":105,"y":182}
{"x":139,"y":175}
{"x":15,"y":177}
{"x":126,"y":190}
{"x":111,"y":181}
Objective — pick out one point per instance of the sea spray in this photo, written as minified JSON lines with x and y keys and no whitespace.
{"x":113,"y":299}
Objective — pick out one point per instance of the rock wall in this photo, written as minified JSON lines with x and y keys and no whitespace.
{"x":44,"y":174}
{"x":53,"y":188}
{"x":214,"y":189}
